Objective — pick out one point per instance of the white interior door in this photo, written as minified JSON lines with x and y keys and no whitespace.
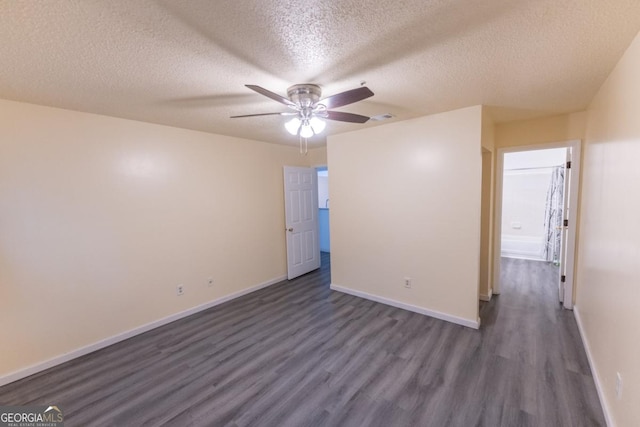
{"x":567,"y":252}
{"x":562,"y":279}
{"x":301,"y":220}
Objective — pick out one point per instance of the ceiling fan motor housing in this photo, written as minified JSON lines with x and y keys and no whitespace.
{"x":304,"y":95}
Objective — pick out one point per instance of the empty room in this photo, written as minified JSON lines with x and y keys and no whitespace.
{"x":328,"y":213}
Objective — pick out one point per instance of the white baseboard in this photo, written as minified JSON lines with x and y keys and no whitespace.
{"x":65,"y":357}
{"x":409,"y":307}
{"x":594,"y":371}
{"x":486,"y":298}
{"x":521,"y":256}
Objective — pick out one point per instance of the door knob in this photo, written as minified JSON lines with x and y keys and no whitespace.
{"x":290,"y":229}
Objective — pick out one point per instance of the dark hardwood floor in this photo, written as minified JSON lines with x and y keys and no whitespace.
{"x":299,"y":354}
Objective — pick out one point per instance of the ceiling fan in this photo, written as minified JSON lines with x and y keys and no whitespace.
{"x":309,"y":110}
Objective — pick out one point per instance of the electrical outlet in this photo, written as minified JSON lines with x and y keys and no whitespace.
{"x":180,"y":290}
{"x":210,"y":282}
{"x":618,"y":386}
{"x":407,"y":282}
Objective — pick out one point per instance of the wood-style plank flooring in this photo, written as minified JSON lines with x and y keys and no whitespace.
{"x":299,"y":354}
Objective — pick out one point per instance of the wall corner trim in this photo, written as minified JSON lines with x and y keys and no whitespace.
{"x":474,"y":324}
{"x":486,"y":298}
{"x":594,"y":371}
{"x":65,"y":357}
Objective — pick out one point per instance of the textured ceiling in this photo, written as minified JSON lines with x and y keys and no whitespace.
{"x":185,"y":63}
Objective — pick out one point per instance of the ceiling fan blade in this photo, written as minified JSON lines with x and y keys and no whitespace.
{"x":269,"y":94}
{"x":264,"y":114}
{"x":346,"y":117}
{"x":346,"y":98}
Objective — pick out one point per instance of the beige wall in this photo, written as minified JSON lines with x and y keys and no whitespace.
{"x":563,"y":127}
{"x":317,"y":156}
{"x":488,"y":130}
{"x":405,"y":202}
{"x":608,"y":294}
{"x":101,"y":218}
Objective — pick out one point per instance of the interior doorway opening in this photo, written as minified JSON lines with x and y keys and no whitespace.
{"x":323,"y":209}
{"x":536,"y":203}
{"x":533,"y":204}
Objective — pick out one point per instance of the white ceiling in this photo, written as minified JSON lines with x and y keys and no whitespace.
{"x":185,"y":63}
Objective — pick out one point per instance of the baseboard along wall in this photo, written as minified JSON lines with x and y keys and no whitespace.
{"x":594,"y":371}
{"x":65,"y":357}
{"x":486,"y":298}
{"x":409,"y":307}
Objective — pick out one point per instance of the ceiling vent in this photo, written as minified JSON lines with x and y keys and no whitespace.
{"x":380,"y":117}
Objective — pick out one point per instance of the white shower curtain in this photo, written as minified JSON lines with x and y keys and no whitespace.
{"x":553,"y":216}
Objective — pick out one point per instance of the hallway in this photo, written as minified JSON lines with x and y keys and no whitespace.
{"x":531,"y":334}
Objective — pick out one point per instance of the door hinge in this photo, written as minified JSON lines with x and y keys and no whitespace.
{"x":569,"y":165}
{"x":563,"y":278}
{"x":566,"y":222}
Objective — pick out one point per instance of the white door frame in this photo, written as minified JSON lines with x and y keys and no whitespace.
{"x":575,"y":146}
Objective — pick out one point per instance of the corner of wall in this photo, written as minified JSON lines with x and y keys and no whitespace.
{"x":488,"y":129}
{"x":317,"y":156}
{"x":411,"y":158}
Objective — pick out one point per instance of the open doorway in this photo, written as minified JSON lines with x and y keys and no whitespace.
{"x":535,"y":215}
{"x":323,"y":210}
{"x":532,"y":204}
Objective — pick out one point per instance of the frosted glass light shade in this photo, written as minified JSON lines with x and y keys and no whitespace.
{"x":317,"y":125}
{"x":293,"y":125}
{"x":306,"y":131}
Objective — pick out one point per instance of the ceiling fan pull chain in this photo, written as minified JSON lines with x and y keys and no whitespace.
{"x":304,"y":150}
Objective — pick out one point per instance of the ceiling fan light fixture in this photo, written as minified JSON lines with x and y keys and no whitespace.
{"x":317,"y":124}
{"x":310,"y":110}
{"x":293,"y":125}
{"x":306,"y":131}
